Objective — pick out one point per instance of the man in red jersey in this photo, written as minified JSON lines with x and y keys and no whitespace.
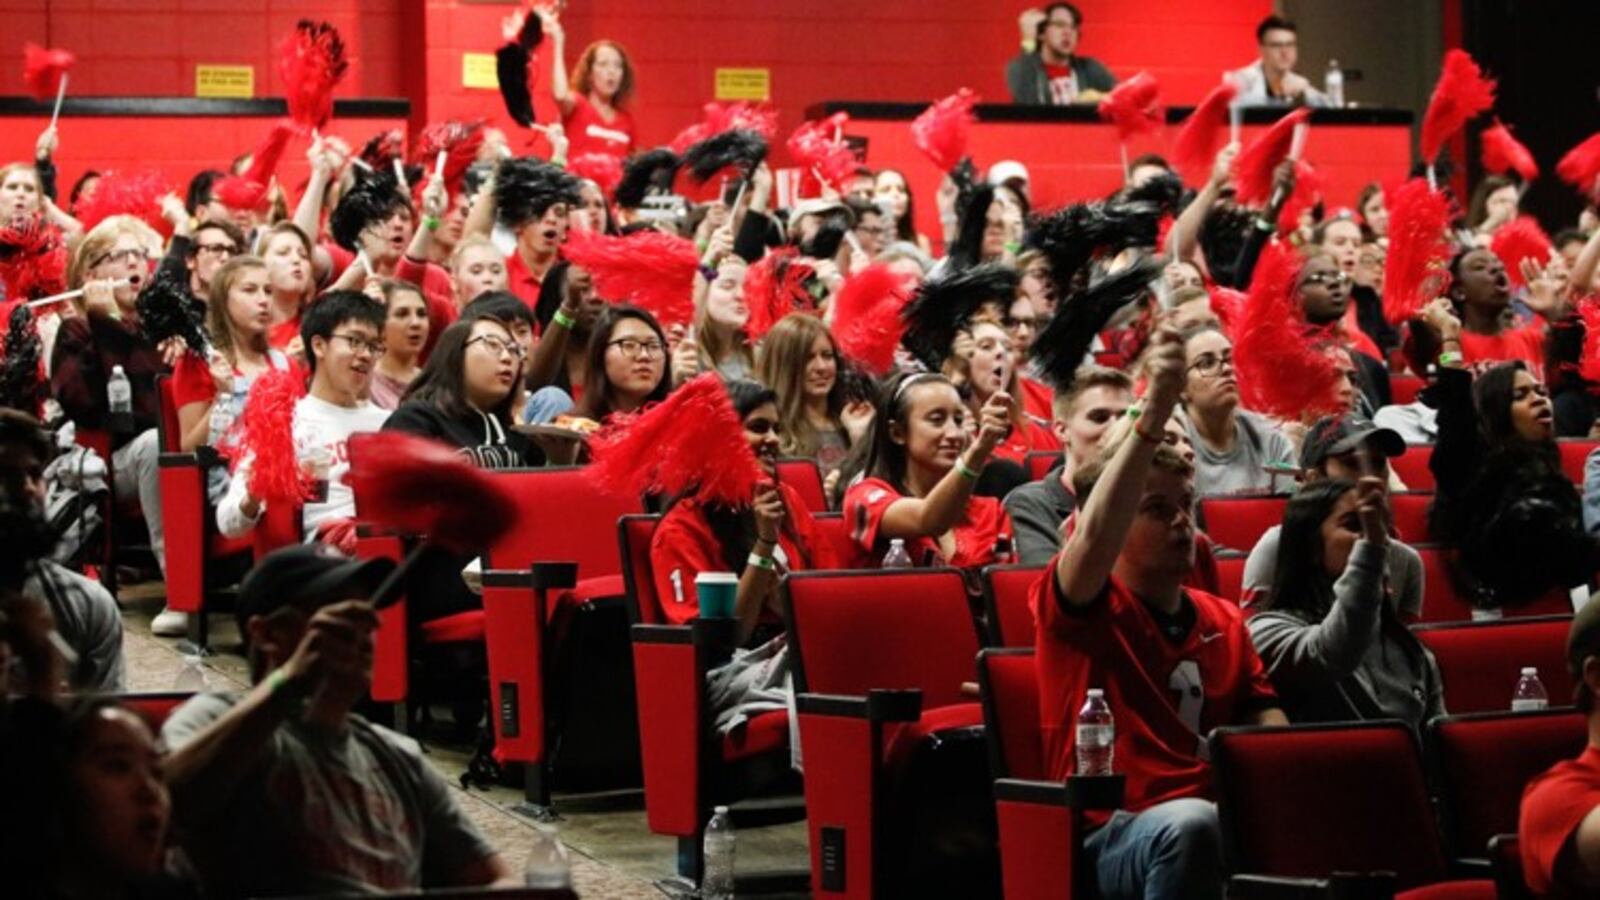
{"x":1173,"y":662}
{"x":1560,"y":825}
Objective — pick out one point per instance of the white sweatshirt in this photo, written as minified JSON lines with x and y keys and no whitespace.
{"x":318,"y":425}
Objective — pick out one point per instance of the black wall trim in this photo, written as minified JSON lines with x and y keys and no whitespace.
{"x":1004,"y":112}
{"x":363,"y":108}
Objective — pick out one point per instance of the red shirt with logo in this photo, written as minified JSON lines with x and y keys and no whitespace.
{"x":982,"y":523}
{"x":589,"y":132}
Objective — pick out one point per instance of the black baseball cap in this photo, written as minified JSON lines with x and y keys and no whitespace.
{"x":307,"y":577}
{"x":1333,"y":435}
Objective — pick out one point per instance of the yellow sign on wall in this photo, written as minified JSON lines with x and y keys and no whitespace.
{"x":744,"y":84}
{"x":233,"y":82}
{"x":477,"y":71}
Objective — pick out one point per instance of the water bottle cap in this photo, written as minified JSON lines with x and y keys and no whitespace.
{"x":897,"y":542}
{"x":719,"y":810}
{"x":1097,"y":694}
{"x":116,"y":370}
{"x":1530,"y":670}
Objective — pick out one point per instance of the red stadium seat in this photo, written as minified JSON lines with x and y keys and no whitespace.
{"x":1040,"y":462}
{"x":1410,"y":511}
{"x":1574,"y":453}
{"x":1237,"y":523}
{"x":1230,"y":575}
{"x":1480,"y":662}
{"x":1443,"y":602}
{"x":875,"y":654}
{"x":1040,"y":820}
{"x":831,"y":528}
{"x":1483,"y":761}
{"x":804,"y":476}
{"x":1364,"y":781}
{"x":1010,"y":621}
{"x":153,"y":707}
{"x":1403,"y":389}
{"x":1412,"y":467}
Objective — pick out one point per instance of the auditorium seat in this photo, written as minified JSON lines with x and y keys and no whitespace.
{"x":1230,"y":576}
{"x":1410,"y":513}
{"x":1574,"y":453}
{"x":1008,"y":614}
{"x":1237,"y":523}
{"x":1480,"y":662}
{"x":806,"y":479}
{"x":1412,"y":467}
{"x":1403,"y":389}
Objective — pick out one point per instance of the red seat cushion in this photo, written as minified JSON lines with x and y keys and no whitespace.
{"x":760,"y":734}
{"x":1451,"y":890}
{"x":941,"y":718}
{"x":463,"y":626}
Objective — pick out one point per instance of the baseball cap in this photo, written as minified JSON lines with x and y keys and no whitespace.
{"x":1007,"y":169}
{"x":1333,"y":435}
{"x":307,"y":576}
{"x":1583,"y":641}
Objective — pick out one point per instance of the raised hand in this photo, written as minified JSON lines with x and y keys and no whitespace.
{"x":1370,"y":507}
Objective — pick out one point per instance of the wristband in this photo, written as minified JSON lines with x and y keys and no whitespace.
{"x":1134,"y":412}
{"x":431,"y":223}
{"x":761,"y":562}
{"x":1450,"y":358}
{"x":561,"y":318}
{"x":966,"y":470}
{"x":709,"y":273}
{"x":281,"y":690}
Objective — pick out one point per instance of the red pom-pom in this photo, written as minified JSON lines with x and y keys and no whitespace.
{"x":237,"y":192}
{"x":422,"y":487}
{"x":1463,"y":92}
{"x":1520,"y":239}
{"x":266,"y":432}
{"x":1228,"y":304}
{"x":774,"y":288}
{"x":249,"y":190}
{"x":1307,"y":193}
{"x":460,"y":142}
{"x":1200,"y":137}
{"x":1134,"y":106}
{"x":1419,"y":249}
{"x":1589,"y":360}
{"x":650,"y":268}
{"x":691,"y":441}
{"x":603,"y":169}
{"x":1252,"y":168}
{"x":942,"y":130}
{"x":1581,"y":167}
{"x":715,"y":118}
{"x":33,"y":258}
{"x":126,"y":193}
{"x":311,"y":63}
{"x":1285,"y":365}
{"x":866,"y":316}
{"x":42,"y":69}
{"x":1503,"y":153}
{"x":815,"y":149}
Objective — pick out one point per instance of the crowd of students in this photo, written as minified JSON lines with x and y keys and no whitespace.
{"x":464,"y":313}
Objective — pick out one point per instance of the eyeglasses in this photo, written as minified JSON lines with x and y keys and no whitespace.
{"x":136,"y":254}
{"x":498,"y":345}
{"x":1012,"y":323}
{"x":1281,"y":45}
{"x":216,"y":249}
{"x":1339,"y":277}
{"x":635,"y":348}
{"x":358,"y":344}
{"x":1211,"y":365}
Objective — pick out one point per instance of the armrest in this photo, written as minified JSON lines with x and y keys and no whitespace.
{"x":669,"y":674}
{"x":549,"y":576}
{"x":1342,"y":886}
{"x":170,"y":460}
{"x":879,"y":706}
{"x":514,"y":630}
{"x":1081,"y":793}
{"x":1472,"y":867}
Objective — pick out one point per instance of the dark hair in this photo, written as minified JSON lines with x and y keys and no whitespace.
{"x":17,"y":427}
{"x":1299,"y":581}
{"x":1492,"y":394}
{"x":502,"y":305}
{"x":1222,"y":237}
{"x":1567,"y":236}
{"x":597,"y":402}
{"x":1077,"y":18}
{"x":222,"y":225}
{"x":967,"y":249}
{"x":78,"y":186}
{"x":198,"y":193}
{"x":1273,"y":23}
{"x":1478,"y":208}
{"x":333,"y":309}
{"x":906,"y":228}
{"x":442,"y":381}
{"x":878,"y":456}
{"x":373,"y":199}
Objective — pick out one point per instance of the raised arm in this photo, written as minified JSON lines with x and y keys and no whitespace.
{"x":1583,"y":268}
{"x":939,"y":512}
{"x":1184,"y":238}
{"x":1090,"y":554}
{"x":435,"y":199}
{"x":559,"y":89}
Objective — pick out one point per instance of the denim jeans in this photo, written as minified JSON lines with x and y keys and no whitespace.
{"x":1171,"y":850}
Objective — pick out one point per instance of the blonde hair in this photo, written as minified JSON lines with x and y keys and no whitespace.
{"x":781,"y":366}
{"x":219,"y":324}
{"x":470,"y":242}
{"x":38,"y":180}
{"x":959,"y":368}
{"x":1167,"y":459}
{"x":99,"y":241}
{"x":712,"y":344}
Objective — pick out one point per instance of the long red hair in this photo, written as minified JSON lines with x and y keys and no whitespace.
{"x":582,"y":82}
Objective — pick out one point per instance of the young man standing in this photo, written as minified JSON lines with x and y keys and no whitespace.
{"x":1174,"y":662}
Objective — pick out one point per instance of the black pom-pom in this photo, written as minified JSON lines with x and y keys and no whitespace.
{"x":524,"y":188}
{"x":648,"y":172}
{"x":1064,"y":341}
{"x":738,"y":147}
{"x":167,"y":310}
{"x":21,"y":388}
{"x":1221,"y":238}
{"x":943,"y":305}
{"x":511,"y":63}
{"x":1165,"y":191}
{"x":369,"y":201}
{"x":1069,"y":238}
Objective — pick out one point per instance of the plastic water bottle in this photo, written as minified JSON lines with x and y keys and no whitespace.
{"x":720,"y":848}
{"x":1530,"y":693}
{"x":119,"y":393}
{"x":192,"y":677}
{"x":547,"y":865}
{"x":897,"y":557}
{"x":1333,"y":84}
{"x":1096,"y":736}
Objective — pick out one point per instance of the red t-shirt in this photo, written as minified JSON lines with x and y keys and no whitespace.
{"x":684,"y":546}
{"x":588,"y":132}
{"x":1026,"y":438}
{"x":192,"y":381}
{"x":1038,"y":400}
{"x":281,"y":335}
{"x":982,"y":523}
{"x":1525,"y":343}
{"x":521,"y":281}
{"x":1165,"y":696}
{"x":1553,"y":806}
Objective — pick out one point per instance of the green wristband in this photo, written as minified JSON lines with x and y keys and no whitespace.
{"x":431,"y":223}
{"x":966,"y":470}
{"x":562,"y":319}
{"x":1450,"y":358}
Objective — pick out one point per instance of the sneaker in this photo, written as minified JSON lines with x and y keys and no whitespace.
{"x":170,"y":623}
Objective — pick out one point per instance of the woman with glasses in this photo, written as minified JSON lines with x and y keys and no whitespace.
{"x":1234,"y":450}
{"x":405,"y":333}
{"x":626,"y":366}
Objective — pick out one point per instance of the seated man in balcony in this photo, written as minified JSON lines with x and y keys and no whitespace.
{"x":1047,"y":72}
{"x":1272,"y":80}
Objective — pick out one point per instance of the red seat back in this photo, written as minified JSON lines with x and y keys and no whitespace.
{"x":1483,"y":761}
{"x":832,"y":531}
{"x":1040,"y":462}
{"x":1441,"y":601}
{"x":1230,"y":576}
{"x":1412,"y":467}
{"x":1574,"y":453}
{"x":1005,"y":598}
{"x":1479,"y":662}
{"x":806,"y":479}
{"x":154,"y":707}
{"x":638,"y":578}
{"x":1238,"y":522}
{"x":169,"y":435}
{"x":1311,"y":800}
{"x":896,"y":629}
{"x":1410,"y":511}
{"x":1009,"y":681}
{"x":562,"y":518}
{"x":1403,"y":389}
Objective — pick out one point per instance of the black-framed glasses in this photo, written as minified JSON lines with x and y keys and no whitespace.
{"x":635,"y":348}
{"x":1211,"y":365}
{"x":498,"y":345}
{"x":133,"y":254}
{"x":216,"y":249}
{"x":1336,"y":277}
{"x":358,"y":344}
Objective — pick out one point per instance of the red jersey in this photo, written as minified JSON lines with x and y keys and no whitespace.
{"x":684,"y":546}
{"x":589,"y":132}
{"x":1525,"y":343}
{"x":982,"y":523}
{"x":1029,"y":437}
{"x":1166,"y":695}
{"x":1038,"y":400}
{"x":1553,"y":805}
{"x":521,"y":281}
{"x":281,"y":335}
